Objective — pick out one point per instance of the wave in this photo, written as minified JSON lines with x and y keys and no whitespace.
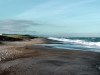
{"x":77,"y":41}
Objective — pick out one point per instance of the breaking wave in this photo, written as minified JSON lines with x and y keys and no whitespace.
{"x":76,"y":41}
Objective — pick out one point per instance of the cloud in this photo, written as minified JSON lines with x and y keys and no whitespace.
{"x":16,"y":25}
{"x":51,"y":9}
{"x":82,"y":2}
{"x":42,"y":10}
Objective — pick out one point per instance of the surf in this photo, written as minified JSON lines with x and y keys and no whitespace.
{"x":88,"y":43}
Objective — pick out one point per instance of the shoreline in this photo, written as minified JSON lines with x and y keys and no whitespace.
{"x":41,"y":60}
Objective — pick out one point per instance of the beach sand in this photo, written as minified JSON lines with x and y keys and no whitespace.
{"x":25,"y":58}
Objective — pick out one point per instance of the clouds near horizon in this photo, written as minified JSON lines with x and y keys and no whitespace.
{"x":50,"y":17}
{"x":16,"y":25}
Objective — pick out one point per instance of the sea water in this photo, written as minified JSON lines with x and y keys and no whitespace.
{"x":76,"y":43}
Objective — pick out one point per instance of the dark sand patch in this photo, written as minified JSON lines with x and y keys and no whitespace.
{"x":53,"y":62}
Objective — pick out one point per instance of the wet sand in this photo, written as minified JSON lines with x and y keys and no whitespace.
{"x":24,"y":58}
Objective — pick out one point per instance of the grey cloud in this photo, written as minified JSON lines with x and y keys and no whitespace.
{"x":16,"y":25}
{"x":21,"y":32}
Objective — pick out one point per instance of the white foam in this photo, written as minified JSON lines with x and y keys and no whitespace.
{"x":83,"y":42}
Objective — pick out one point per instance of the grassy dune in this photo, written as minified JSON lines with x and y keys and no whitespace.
{"x":12,"y":48}
{"x":16,"y":37}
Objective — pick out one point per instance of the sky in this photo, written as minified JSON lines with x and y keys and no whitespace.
{"x":58,"y":18}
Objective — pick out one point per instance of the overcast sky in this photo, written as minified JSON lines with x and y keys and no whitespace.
{"x":50,"y":17}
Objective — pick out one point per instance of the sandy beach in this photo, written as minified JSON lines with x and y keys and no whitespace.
{"x":25,"y":58}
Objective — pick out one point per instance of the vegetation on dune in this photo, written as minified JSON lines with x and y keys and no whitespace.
{"x":14,"y":37}
{"x":6,"y":38}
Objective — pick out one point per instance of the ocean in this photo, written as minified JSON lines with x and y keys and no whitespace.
{"x":76,"y":43}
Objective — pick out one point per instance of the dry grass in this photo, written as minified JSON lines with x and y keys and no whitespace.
{"x":20,"y":52}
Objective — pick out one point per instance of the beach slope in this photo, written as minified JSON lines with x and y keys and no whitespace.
{"x":25,"y":58}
